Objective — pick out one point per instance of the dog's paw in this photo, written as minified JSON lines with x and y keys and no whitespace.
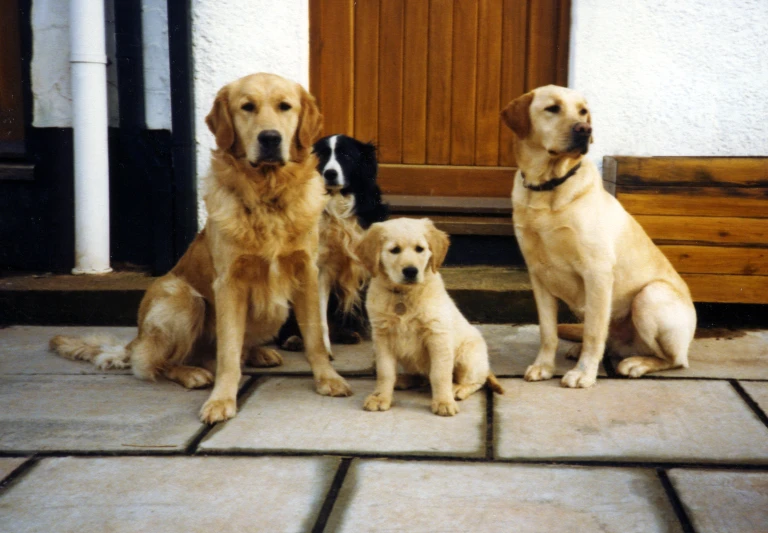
{"x":573,"y":352}
{"x":190,"y":377}
{"x":634,"y":367}
{"x":335,"y":386}
{"x":578,"y":379}
{"x":445,"y":408}
{"x":294,"y":343}
{"x":377,"y":402}
{"x":464,"y":390}
{"x":539,"y":372}
{"x":218,"y":410}
{"x":265,"y":357}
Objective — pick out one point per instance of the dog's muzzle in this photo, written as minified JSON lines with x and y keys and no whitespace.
{"x":269,"y":148}
{"x":410,"y":273}
{"x":580,"y":136}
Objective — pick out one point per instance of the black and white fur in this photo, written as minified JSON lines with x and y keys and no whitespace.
{"x":349,"y":168}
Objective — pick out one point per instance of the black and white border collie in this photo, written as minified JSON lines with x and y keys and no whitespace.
{"x":349,"y":168}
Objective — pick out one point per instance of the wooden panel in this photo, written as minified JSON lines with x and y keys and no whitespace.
{"x":11,"y":104}
{"x":479,"y":205}
{"x":699,"y":201}
{"x":691,"y":259}
{"x":439,"y":72}
{"x":458,"y":225}
{"x":434,"y":180}
{"x":391,"y":80}
{"x":727,"y":288}
{"x":464,"y":73}
{"x":334,"y":76}
{"x":513,"y":59}
{"x":700,"y":171}
{"x":725,"y":230}
{"x":489,"y":22}
{"x":563,"y":42}
{"x":367,"y":71}
{"x":542,"y":43}
{"x":415,"y":82}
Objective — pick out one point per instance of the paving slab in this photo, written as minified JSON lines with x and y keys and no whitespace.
{"x":758,"y":391}
{"x":24,"y":349}
{"x":9,"y":464}
{"x":348,"y":360}
{"x":285,"y":414}
{"x":512,"y":348}
{"x":383,"y":495}
{"x":628,"y":420}
{"x":104,"y":413}
{"x":720,"y":502}
{"x":726,"y":354}
{"x":170,"y":494}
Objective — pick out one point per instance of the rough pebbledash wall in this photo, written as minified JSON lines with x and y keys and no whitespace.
{"x":673,"y":77}
{"x":233,"y":38}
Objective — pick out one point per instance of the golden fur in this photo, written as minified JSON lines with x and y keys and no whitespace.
{"x":583,"y":248}
{"x":256,"y":255}
{"x":415,"y":322}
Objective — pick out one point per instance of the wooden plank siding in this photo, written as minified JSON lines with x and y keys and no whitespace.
{"x":425,"y":79}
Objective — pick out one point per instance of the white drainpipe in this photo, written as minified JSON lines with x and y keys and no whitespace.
{"x":89,"y":118}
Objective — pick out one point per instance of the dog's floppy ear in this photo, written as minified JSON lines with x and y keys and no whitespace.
{"x":438,"y":244}
{"x":310,"y":121}
{"x":369,"y":249}
{"x":517,"y":115}
{"x":219,"y":121}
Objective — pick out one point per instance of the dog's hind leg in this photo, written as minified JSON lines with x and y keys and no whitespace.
{"x":169,"y":328}
{"x":472,"y":369}
{"x":665,"y":321}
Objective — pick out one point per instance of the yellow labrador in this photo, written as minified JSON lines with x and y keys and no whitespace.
{"x":583,"y":248}
{"x":415,"y":322}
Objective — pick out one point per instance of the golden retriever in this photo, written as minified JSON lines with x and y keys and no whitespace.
{"x":583,"y":248}
{"x":415,"y":322}
{"x":256,"y":255}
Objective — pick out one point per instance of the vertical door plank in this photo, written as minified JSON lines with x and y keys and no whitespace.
{"x":464,"y":79}
{"x":489,"y":22}
{"x":513,"y":67}
{"x":439,"y":73}
{"x":415,"y":81}
{"x":563,"y":42}
{"x":542,"y":43}
{"x":366,"y":71}
{"x":391,"y":81}
{"x":336,"y":66}
{"x":316,"y":49}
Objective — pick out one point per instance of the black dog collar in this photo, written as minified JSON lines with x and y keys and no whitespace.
{"x":551,"y":184}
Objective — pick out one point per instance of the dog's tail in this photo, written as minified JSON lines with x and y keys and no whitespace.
{"x":492,"y":383}
{"x":570,"y":332}
{"x":104,"y":351}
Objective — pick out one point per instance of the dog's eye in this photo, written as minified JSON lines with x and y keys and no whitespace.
{"x":553,"y":109}
{"x":395,"y":250}
{"x":284,"y":106}
{"x":248,"y":107}
{"x":419,"y":249}
{"x":583,"y":112}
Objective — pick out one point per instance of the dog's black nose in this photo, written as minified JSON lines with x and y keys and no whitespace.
{"x":270,"y":139}
{"x":331,"y":176}
{"x":582,"y":129}
{"x":410,"y":273}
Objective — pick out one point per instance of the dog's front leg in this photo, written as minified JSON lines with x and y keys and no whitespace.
{"x":441,"y":359}
{"x":324,"y":283}
{"x":546,"y":305}
{"x":597,"y":317}
{"x":307,"y":308}
{"x":231,"y":302}
{"x":386,"y":377}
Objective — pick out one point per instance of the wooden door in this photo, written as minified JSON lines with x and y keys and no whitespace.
{"x":425,"y":80}
{"x":11,"y":105}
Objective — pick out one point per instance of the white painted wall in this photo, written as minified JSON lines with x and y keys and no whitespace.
{"x":233,"y":38}
{"x":673,"y":77}
{"x":51,"y":81}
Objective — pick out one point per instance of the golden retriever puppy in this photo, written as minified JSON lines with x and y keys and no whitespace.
{"x":256,"y":255}
{"x":415,"y":322}
{"x":583,"y":248}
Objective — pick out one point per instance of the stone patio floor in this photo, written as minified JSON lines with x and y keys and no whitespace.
{"x":83,"y":450}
